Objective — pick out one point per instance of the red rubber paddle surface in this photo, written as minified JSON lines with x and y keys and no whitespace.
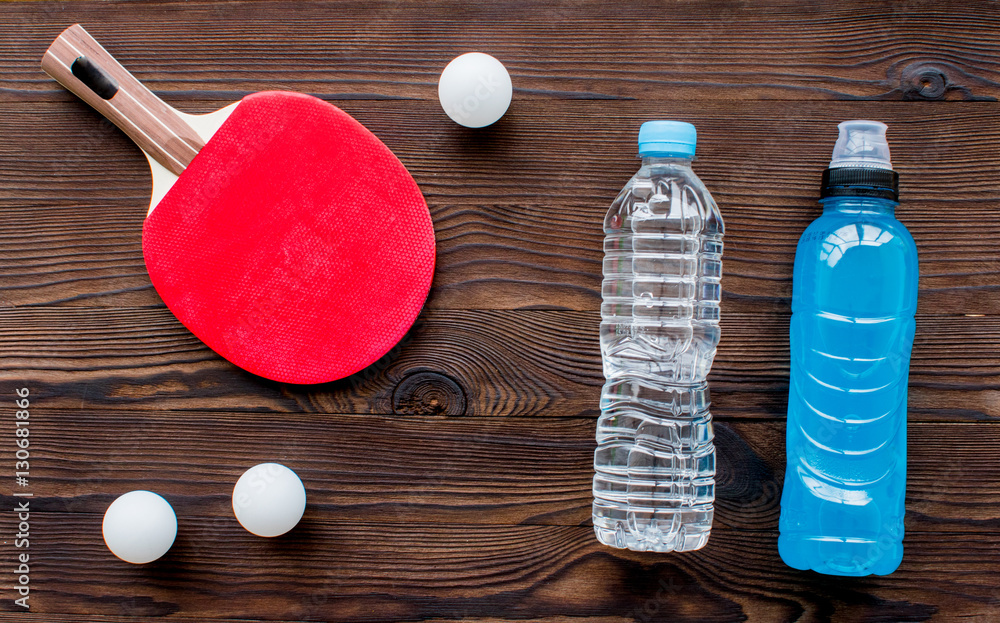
{"x":295,"y":245}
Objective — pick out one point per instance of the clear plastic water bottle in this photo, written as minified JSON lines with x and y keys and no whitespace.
{"x":853,"y":301}
{"x":654,"y":485}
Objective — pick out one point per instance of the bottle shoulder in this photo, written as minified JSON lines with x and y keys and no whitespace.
{"x":859,"y":216}
{"x":856,"y":264}
{"x":665,"y":196}
{"x":858,"y":229}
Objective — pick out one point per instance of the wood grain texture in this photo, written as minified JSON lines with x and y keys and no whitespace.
{"x":452,"y":470}
{"x":451,"y":481}
{"x":476,"y":363}
{"x":518,"y":219}
{"x":567,"y":49}
{"x":360,"y":571}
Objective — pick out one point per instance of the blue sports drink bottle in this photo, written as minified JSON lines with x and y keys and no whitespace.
{"x":853,"y":304}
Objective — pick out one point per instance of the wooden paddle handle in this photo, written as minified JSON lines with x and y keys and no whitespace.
{"x":79,"y":63}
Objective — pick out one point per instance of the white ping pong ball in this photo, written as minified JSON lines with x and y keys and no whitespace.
{"x":269,"y":499}
{"x":475,"y":90}
{"x":139,"y":527}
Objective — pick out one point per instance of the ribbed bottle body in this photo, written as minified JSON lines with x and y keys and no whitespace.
{"x":654,"y":485}
{"x":852,"y":327}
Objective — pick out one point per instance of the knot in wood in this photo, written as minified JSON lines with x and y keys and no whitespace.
{"x":924,"y":81}
{"x":428,"y":393}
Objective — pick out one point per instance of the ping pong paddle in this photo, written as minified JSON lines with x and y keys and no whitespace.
{"x":281,"y":231}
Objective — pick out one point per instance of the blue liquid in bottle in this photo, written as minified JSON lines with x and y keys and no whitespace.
{"x":853,"y":303}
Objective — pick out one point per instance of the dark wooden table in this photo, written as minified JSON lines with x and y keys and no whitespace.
{"x":451,"y":481}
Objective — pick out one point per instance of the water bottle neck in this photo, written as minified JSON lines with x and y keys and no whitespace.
{"x":665,"y":159}
{"x":859,"y":205}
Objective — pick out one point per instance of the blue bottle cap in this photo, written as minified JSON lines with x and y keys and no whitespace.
{"x":667,"y":138}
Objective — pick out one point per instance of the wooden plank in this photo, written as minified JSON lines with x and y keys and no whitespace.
{"x":335,"y":570}
{"x":518,"y":220}
{"x":477,"y":363}
{"x":417,"y":510}
{"x":433,"y":470}
{"x":576,"y":154}
{"x":51,"y":617}
{"x":567,"y":49}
